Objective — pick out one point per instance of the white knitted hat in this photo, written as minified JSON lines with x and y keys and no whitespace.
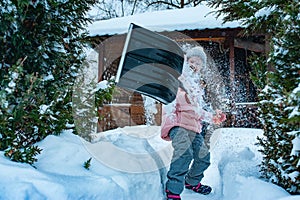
{"x":198,"y":52}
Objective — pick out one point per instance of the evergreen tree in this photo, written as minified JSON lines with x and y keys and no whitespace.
{"x":41,"y":50}
{"x":88,"y":97}
{"x":279,"y":85}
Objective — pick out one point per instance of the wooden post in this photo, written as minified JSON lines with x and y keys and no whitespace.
{"x":182,"y":3}
{"x":232,"y":79}
{"x":101,"y":61}
{"x":267,"y":50}
{"x":232,"y":66}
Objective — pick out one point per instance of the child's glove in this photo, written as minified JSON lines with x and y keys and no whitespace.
{"x":219,"y":117}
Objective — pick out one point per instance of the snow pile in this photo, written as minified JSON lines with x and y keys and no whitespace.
{"x":59,"y":172}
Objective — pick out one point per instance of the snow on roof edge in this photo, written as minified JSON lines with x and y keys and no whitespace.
{"x":195,"y":18}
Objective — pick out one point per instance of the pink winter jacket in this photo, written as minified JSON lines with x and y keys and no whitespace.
{"x":185,"y":116}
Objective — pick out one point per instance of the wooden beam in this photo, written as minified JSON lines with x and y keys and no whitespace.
{"x":249,"y":45}
{"x":206,"y":33}
{"x":208,"y":39}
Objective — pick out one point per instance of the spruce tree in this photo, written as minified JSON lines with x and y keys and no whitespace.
{"x":277,"y":79}
{"x":41,"y":50}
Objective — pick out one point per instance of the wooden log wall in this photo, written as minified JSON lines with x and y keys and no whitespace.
{"x":121,"y":114}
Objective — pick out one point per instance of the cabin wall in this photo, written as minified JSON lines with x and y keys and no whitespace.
{"x":227,"y":53}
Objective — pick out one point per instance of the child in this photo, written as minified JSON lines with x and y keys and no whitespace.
{"x":182,"y":124}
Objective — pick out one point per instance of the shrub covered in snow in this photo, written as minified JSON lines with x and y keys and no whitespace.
{"x":35,"y":97}
{"x":277,"y":78}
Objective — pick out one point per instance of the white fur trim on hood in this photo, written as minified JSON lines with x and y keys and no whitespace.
{"x":198,"y":52}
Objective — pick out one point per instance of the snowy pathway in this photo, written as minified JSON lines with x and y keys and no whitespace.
{"x":59,"y":172}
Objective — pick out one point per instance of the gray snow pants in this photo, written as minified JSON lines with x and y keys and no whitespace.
{"x":188,"y":146}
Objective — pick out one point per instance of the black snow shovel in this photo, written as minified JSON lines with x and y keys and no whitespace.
{"x":150,"y":64}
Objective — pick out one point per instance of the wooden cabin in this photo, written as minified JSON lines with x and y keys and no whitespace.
{"x":225,"y":43}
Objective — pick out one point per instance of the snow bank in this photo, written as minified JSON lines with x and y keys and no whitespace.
{"x":59,"y":172}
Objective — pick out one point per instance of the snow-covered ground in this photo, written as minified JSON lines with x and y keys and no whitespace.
{"x":130,"y":163}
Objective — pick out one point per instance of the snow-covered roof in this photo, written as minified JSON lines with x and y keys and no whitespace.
{"x":200,"y":17}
